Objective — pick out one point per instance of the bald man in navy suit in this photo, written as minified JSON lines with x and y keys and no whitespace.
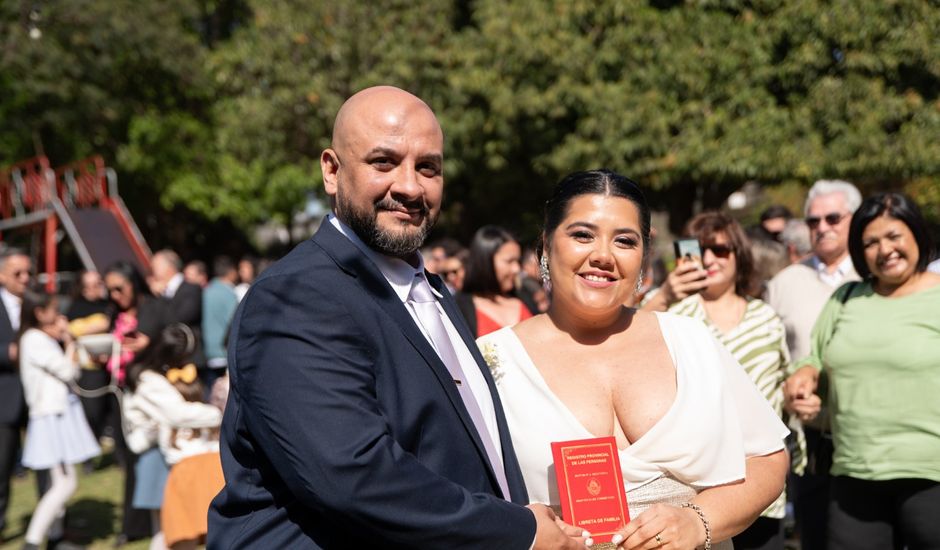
{"x":345,"y":428}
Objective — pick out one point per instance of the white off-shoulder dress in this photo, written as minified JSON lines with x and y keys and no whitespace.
{"x":718,"y":419}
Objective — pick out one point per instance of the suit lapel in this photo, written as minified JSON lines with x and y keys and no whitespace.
{"x":6,"y":326}
{"x":353,"y":262}
{"x":510,"y":462}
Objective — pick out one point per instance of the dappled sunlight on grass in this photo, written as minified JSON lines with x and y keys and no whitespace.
{"x":94,"y":511}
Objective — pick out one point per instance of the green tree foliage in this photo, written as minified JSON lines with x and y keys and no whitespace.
{"x":224,"y":106}
{"x":120,"y":78}
{"x":76,"y":73}
{"x":694,"y":98}
{"x":282,"y":78}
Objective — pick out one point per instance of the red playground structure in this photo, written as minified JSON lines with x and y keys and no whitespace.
{"x":82,"y":200}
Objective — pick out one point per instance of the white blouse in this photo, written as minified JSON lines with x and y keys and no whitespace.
{"x":157,"y":408}
{"x":45,"y":371}
{"x":717,"y":419}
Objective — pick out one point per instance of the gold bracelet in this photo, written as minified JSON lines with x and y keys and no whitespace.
{"x":701,"y":515}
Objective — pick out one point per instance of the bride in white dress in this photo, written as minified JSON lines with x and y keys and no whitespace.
{"x":690,"y":425}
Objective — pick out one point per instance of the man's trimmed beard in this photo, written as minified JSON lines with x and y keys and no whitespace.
{"x":365,"y":224}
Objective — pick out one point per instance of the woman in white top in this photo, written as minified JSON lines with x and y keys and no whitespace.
{"x":58,"y":436}
{"x":689,"y":424}
{"x":155,"y":411}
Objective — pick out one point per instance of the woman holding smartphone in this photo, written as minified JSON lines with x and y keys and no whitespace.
{"x":746,"y":326}
{"x":687,"y":279}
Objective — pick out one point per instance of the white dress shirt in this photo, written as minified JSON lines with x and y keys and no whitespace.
{"x":836,"y":277}
{"x":400,"y":275}
{"x":13,"y":305}
{"x":173,"y":285}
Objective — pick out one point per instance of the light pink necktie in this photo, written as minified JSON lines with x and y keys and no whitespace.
{"x":424,"y":302}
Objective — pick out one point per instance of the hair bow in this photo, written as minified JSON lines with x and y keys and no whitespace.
{"x":185,"y":374}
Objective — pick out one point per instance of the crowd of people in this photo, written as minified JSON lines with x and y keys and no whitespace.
{"x":375,"y":403}
{"x":139,"y":361}
{"x":761,"y":290}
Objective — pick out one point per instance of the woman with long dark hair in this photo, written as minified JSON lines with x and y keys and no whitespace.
{"x":136,"y":319}
{"x":488,"y":300}
{"x":136,"y":316}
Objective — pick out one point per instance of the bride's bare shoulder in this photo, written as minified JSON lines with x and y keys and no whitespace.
{"x":531,"y":328}
{"x":644,"y":318}
{"x":645,"y":327}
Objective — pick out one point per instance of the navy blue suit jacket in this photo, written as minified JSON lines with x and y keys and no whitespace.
{"x":12,"y":404}
{"x":343,"y":428}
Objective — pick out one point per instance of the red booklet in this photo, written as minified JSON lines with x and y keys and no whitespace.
{"x":590,"y":485}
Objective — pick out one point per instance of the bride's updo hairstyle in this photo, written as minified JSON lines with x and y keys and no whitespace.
{"x":594,"y":182}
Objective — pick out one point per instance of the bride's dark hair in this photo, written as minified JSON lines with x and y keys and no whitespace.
{"x":594,"y":182}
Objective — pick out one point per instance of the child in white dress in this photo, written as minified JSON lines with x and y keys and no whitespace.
{"x":58,"y":435}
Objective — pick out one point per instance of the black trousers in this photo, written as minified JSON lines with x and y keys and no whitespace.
{"x":97,"y":409}
{"x":878,"y":515}
{"x":135,"y":523}
{"x":763,"y":534}
{"x":9,"y":448}
{"x":811,"y":492}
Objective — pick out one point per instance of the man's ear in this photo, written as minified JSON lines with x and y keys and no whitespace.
{"x":329,"y":165}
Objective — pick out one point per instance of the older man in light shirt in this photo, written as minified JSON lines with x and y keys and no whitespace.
{"x":798,"y":294}
{"x":15,"y":269}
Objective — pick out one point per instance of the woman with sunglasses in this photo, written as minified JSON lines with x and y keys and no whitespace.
{"x":136,"y":319}
{"x":878,"y":341}
{"x":136,"y":316}
{"x":748,"y":328}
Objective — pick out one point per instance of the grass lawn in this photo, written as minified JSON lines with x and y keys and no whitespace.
{"x":94,"y":511}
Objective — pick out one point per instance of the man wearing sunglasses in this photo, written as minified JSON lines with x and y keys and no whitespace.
{"x":798,"y":294}
{"x":15,"y":268}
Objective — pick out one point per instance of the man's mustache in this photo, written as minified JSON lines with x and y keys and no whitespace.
{"x":392,"y":204}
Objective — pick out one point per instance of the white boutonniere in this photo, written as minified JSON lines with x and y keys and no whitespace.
{"x":491,"y":356}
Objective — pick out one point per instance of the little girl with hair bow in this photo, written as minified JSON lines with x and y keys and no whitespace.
{"x":158,"y":408}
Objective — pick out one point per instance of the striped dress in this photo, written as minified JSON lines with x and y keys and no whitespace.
{"x":759,"y":343}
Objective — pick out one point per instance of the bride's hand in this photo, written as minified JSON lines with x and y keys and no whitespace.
{"x":663,"y":526}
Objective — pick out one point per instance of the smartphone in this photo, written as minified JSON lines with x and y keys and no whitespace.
{"x":688,"y":250}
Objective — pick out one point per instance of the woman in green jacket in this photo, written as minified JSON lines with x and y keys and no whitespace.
{"x":879,"y":343}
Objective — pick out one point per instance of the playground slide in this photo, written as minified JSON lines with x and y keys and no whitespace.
{"x":104,"y":238}
{"x":82,"y":199}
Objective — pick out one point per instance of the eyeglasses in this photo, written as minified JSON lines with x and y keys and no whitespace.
{"x":831,"y":218}
{"x":719,"y":250}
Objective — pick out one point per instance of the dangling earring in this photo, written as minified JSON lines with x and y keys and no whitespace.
{"x":639,"y":284}
{"x":543,"y":269}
